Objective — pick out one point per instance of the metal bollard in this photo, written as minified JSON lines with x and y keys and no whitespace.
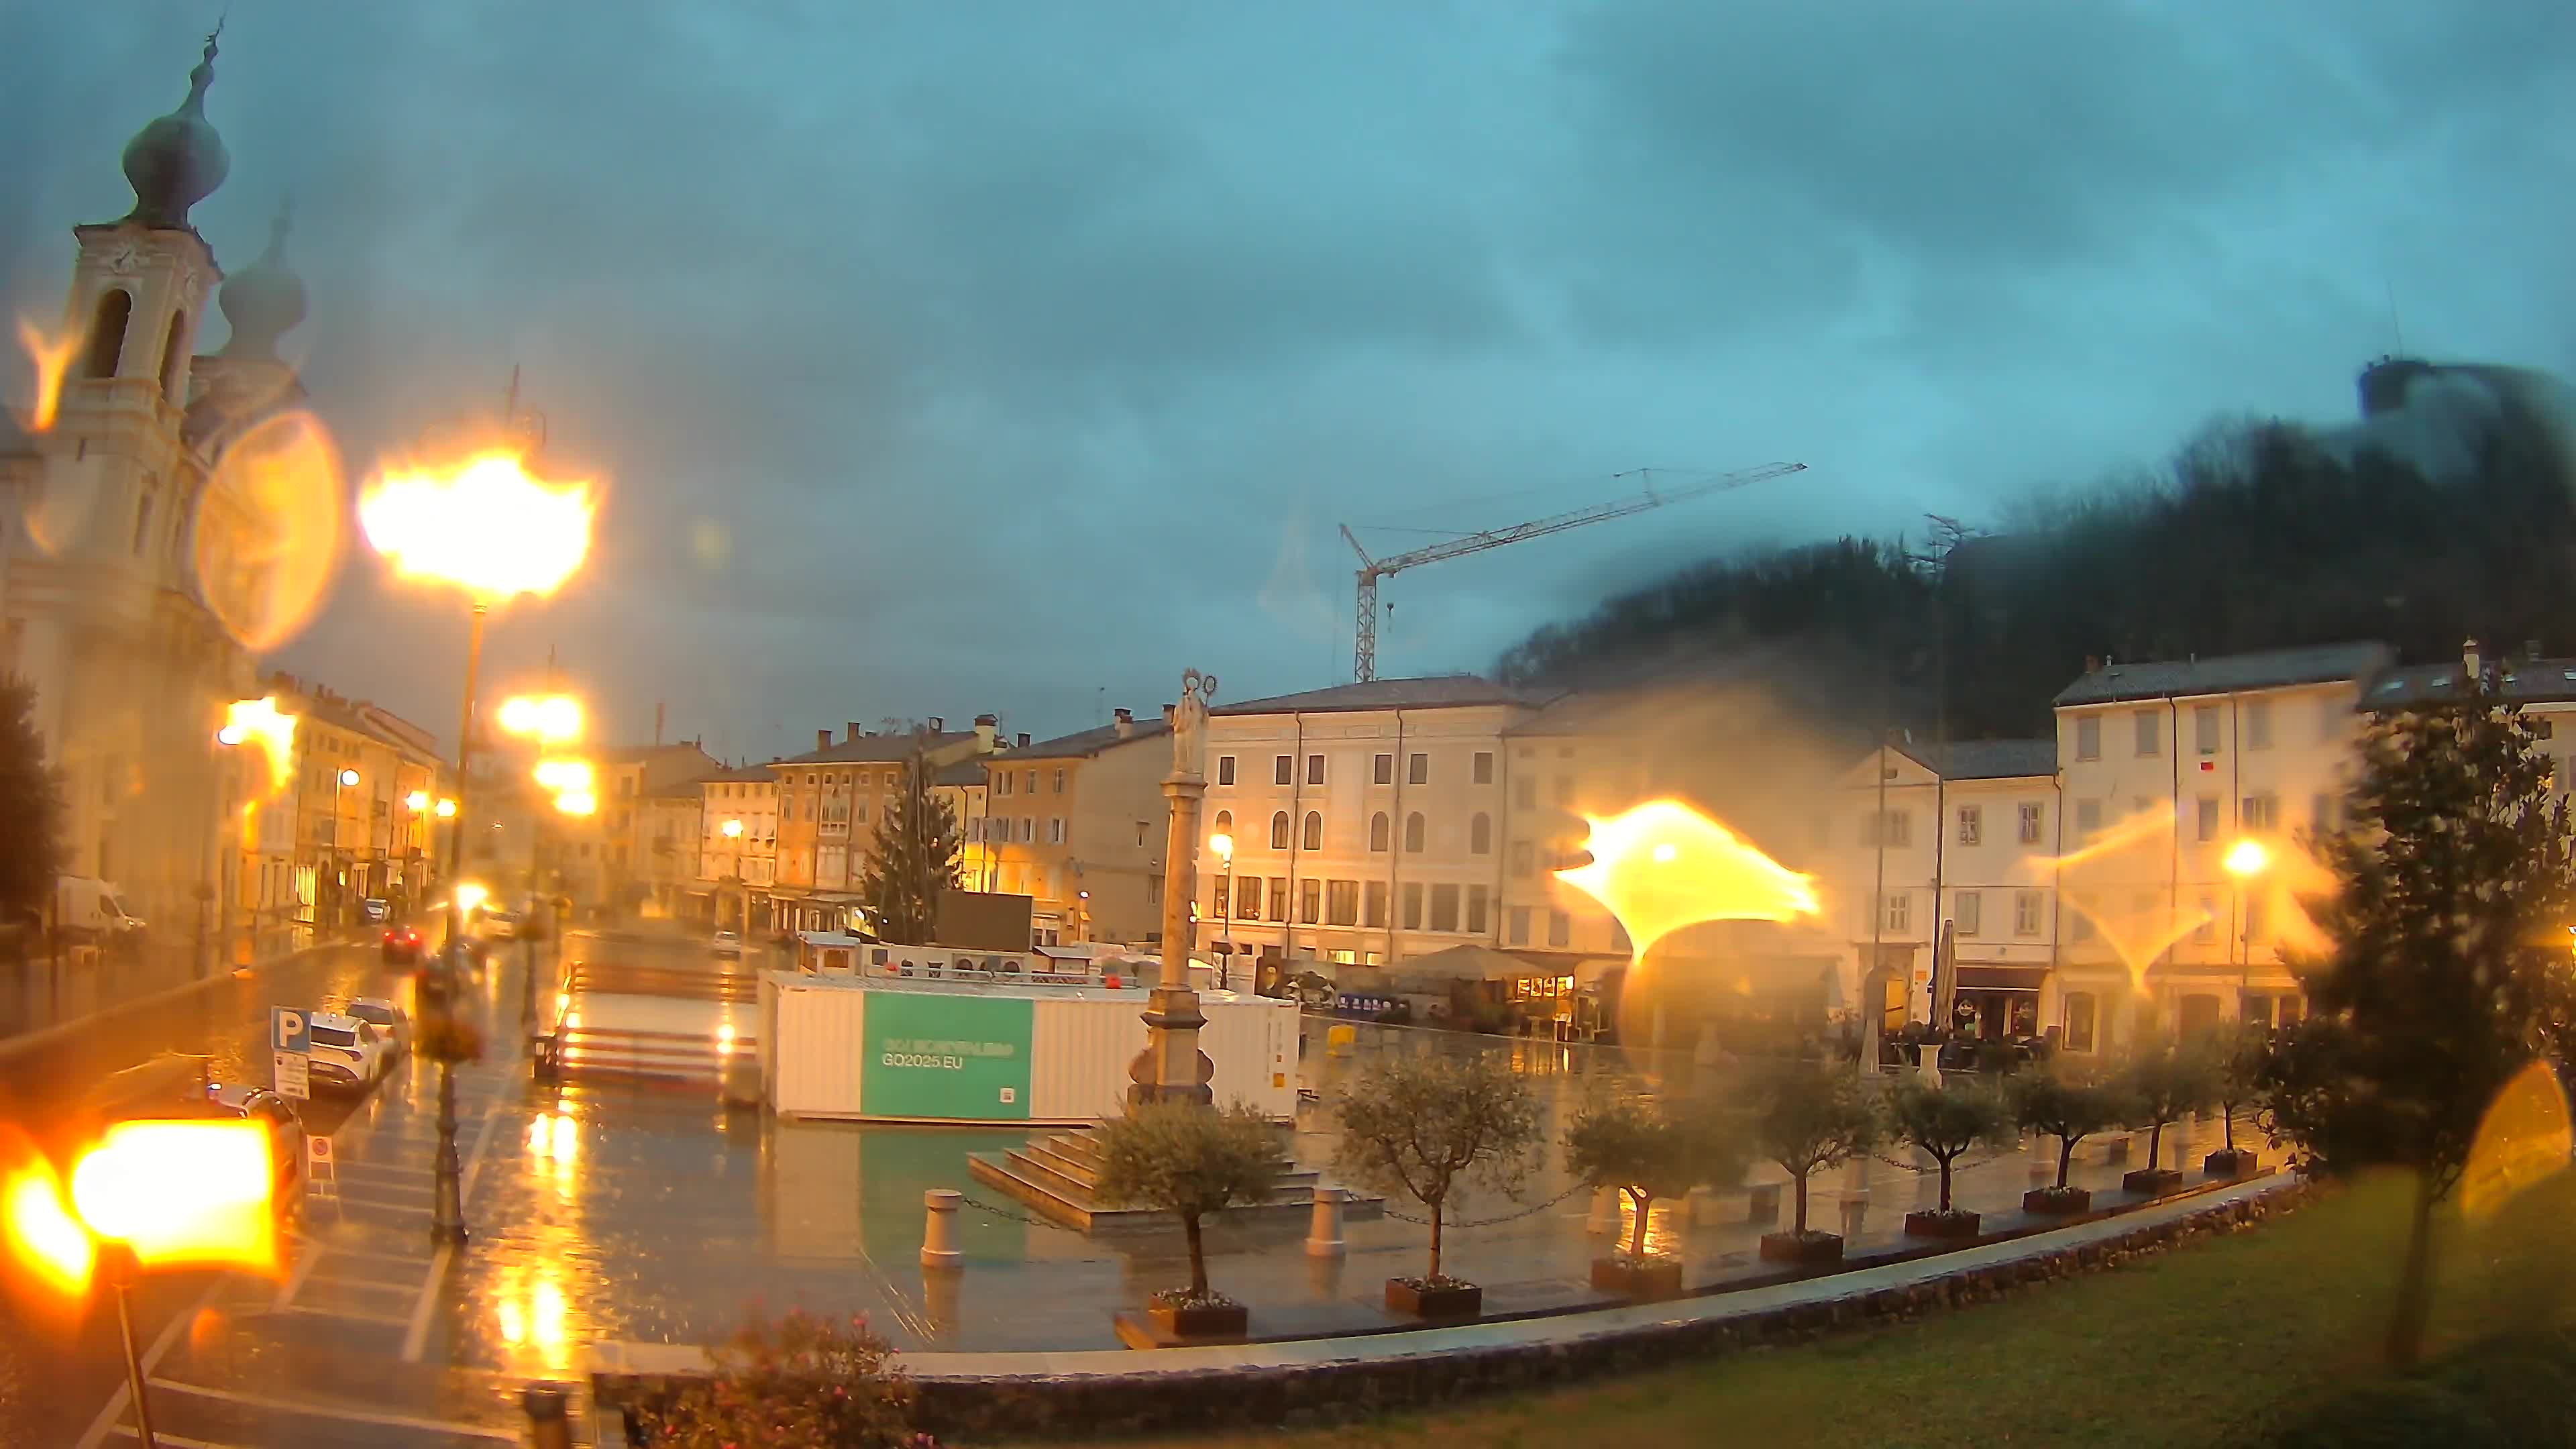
{"x":1855,"y":1213}
{"x":1762,"y":1203}
{"x":549,"y":1426}
{"x":1324,"y":1230}
{"x":939,"y":1231}
{"x":1604,"y":1217}
{"x":2115,"y":1153}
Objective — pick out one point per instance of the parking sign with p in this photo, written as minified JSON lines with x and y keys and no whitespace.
{"x":290,"y":1030}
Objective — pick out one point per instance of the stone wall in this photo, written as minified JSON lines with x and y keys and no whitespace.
{"x":1100,"y":1406}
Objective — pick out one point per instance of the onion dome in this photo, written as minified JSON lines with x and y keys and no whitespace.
{"x":262,"y":301}
{"x":178,"y":160}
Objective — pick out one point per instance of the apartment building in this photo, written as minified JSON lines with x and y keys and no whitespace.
{"x":829,"y":802}
{"x":363,"y":785}
{"x":1077,"y":824}
{"x":967,"y":792}
{"x":1961,"y":835}
{"x":2165,"y":768}
{"x":669,"y":834}
{"x":738,"y":844}
{"x":1368,"y":819}
{"x":605,"y":857}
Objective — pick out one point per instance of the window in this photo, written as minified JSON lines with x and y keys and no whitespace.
{"x":1314,"y":769}
{"x":1055,"y":830}
{"x":2207,"y":930}
{"x":1373,"y":904}
{"x":1342,"y":903}
{"x":2031,"y":813}
{"x":1476,"y":902}
{"x":1413,"y":905}
{"x":1565,"y":788}
{"x":1002,"y":783}
{"x":2204,"y":728}
{"x":1153,"y":890}
{"x":2025,"y":913}
{"x":1413,"y":833}
{"x":2330,"y":720}
{"x":1279,"y":830}
{"x":1278,"y":897}
{"x":1560,"y":929}
{"x":1247,"y":898}
{"x":1283,"y":770}
{"x":1480,"y":834}
{"x":1893,"y":828}
{"x":1059,"y":779}
{"x":1225,"y":769}
{"x":2208,"y":805}
{"x":1378,"y":831}
{"x":1516,"y":926}
{"x":2088,"y":819}
{"x":2256,"y":722}
{"x":2088,"y":738}
{"x":1972,"y":824}
{"x":2079,"y":1021}
{"x":1382,"y":770}
{"x":1484,"y":771}
{"x":1314,"y":835}
{"x":1310,"y":901}
{"x":1896,"y":910}
{"x":1028,"y":829}
{"x":1030,"y":783}
{"x":1417,"y":770}
{"x":2148,"y":742}
{"x":1141,"y":828}
{"x":2253,"y":919}
{"x":1224,"y":826}
{"x":2262,"y":812}
{"x":107,"y":333}
{"x":1521,"y":862}
{"x":1524,"y":793}
{"x":1220,"y":906}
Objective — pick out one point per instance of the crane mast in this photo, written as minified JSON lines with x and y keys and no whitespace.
{"x":1371,"y":570}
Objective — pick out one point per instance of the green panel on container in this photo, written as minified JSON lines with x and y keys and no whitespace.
{"x":960,"y":1057}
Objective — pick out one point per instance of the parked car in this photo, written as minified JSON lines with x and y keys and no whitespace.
{"x":728,"y":944}
{"x":402,"y":946}
{"x":347,"y":1052}
{"x":285,"y":1128}
{"x":500,"y":925}
{"x":389,"y":1020}
{"x":373,"y":908}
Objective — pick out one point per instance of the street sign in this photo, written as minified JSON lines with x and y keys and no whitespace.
{"x":290,"y":1041}
{"x":321,"y":1170}
{"x":294,"y":1074}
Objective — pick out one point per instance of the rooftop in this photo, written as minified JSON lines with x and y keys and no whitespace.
{"x":2516,"y":681}
{"x":876,"y":749}
{"x":2227,"y":673}
{"x":964,"y":772}
{"x":750,"y":774}
{"x":1083,"y":744}
{"x":1439,"y":691}
{"x":1985,"y":759}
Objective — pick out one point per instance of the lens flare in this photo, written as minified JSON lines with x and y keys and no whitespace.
{"x":52,"y":356}
{"x":257,"y":721}
{"x":553,"y":718}
{"x":44,"y":1238}
{"x":268,"y":534}
{"x":1662,"y":866}
{"x":485,"y":524}
{"x":2522,"y":1139}
{"x":185,"y":1193}
{"x":565,"y":776}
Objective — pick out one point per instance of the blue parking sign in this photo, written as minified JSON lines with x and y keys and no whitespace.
{"x":290,"y":1029}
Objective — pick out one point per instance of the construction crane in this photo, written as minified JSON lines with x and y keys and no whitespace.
{"x":1364,"y":660}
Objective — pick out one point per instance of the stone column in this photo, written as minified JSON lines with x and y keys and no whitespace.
{"x":1171,"y":1068}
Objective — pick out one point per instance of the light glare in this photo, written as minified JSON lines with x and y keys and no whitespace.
{"x":485,"y":524}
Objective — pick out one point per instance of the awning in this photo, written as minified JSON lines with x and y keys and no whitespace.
{"x":2001,"y":978}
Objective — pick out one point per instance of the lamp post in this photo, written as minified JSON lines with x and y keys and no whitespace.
{"x":549,"y":719}
{"x":2245,"y":860}
{"x":1223,"y":845}
{"x":486,"y":525}
{"x":732,"y":832}
{"x":340,"y":784}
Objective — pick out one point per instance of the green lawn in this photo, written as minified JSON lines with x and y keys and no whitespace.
{"x":2211,"y":1344}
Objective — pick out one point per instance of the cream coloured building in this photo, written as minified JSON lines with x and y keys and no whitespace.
{"x":1077,"y":824}
{"x":738,"y":844}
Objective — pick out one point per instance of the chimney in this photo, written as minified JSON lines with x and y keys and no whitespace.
{"x":822,"y":739}
{"x":1126,"y":722}
{"x":986,"y":725}
{"x":2531,"y":649}
{"x":2471,"y":662}
{"x":2092,"y":663}
{"x":1021,"y":740}
{"x":853,"y":735}
{"x":657,"y":724}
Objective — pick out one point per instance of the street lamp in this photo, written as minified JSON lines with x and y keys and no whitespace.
{"x":340,"y":785}
{"x":1223,"y":845}
{"x":490,"y":527}
{"x":2246,"y":859}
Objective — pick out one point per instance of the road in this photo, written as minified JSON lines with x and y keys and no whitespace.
{"x":362,"y":1275}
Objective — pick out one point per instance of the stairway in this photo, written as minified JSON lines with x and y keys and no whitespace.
{"x":1057,"y":1176}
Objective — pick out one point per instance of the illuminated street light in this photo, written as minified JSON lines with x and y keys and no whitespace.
{"x":446,"y":809}
{"x":248,"y":721}
{"x":733,"y":830}
{"x":577,"y":802}
{"x":2248,"y":857}
{"x":566,"y":776}
{"x":348,"y":777}
{"x":552,"y":719}
{"x":1223,"y":845}
{"x":417,"y":801}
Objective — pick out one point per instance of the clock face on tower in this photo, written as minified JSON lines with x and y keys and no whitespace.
{"x":124,"y":259}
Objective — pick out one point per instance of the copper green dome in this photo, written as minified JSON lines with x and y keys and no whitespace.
{"x":262,"y":301}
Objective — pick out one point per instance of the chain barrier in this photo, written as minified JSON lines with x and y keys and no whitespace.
{"x":1013,"y":1216}
{"x":1404,"y":1217}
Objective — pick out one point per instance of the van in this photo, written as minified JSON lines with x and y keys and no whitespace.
{"x":86,"y":908}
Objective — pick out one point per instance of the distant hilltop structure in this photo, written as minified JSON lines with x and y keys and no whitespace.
{"x":2444,"y":417}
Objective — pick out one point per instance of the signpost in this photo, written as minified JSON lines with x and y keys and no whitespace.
{"x":321,"y":1174}
{"x":290,"y":1051}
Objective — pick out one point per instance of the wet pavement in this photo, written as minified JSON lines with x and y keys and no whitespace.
{"x":635,"y":1212}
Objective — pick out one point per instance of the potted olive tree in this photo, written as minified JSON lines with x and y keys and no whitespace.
{"x":1808,"y":1118}
{"x":1190,"y":1161}
{"x":2069,"y":1109}
{"x":1945,"y":1122}
{"x":2243,"y":1055}
{"x":1429,"y":1127}
{"x":2166,"y":1081}
{"x":1647,"y":1151}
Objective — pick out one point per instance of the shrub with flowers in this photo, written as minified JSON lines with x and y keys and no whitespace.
{"x":803,"y":1382}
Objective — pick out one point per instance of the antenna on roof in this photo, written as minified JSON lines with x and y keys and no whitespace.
{"x":2396,"y":332}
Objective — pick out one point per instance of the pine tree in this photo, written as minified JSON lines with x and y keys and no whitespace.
{"x":915,"y":859}
{"x":2449,"y":968}
{"x":31,"y":808}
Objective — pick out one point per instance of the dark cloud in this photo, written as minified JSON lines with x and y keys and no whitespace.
{"x":1013,"y":356}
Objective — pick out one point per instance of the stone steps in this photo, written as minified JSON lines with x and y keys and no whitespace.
{"x":1058,"y":1176}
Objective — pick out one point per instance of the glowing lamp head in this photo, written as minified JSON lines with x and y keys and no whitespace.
{"x":416,"y":801}
{"x":484,"y":524}
{"x":348,"y":777}
{"x":1663,"y":866}
{"x":1222,"y":844}
{"x":182,"y":1192}
{"x":733,"y":830}
{"x":446,"y":809}
{"x":471,"y":896}
{"x":552,"y":718}
{"x":577,"y":802}
{"x":231,"y":734}
{"x":2248,"y":857}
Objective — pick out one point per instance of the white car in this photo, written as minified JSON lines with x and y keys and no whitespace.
{"x":347,"y":1052}
{"x":390,"y":1021}
{"x":727,"y":943}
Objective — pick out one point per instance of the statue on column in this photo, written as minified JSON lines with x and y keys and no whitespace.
{"x":1189,"y":724}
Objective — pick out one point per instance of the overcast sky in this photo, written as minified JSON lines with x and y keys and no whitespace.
{"x":965,"y":356}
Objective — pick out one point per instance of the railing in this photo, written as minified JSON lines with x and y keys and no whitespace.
{"x":620,"y":1051}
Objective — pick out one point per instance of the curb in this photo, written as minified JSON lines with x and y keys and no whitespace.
{"x":29,"y":1042}
{"x":1096,"y":1393}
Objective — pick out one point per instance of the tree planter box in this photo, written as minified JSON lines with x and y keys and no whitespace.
{"x":1813,"y":1247}
{"x":1958,"y":1223}
{"x":1447,"y":1300}
{"x":2060,"y":1201}
{"x":1163,"y":1326}
{"x":2230,"y":1162}
{"x":2153,"y":1181}
{"x":1655,"y":1278}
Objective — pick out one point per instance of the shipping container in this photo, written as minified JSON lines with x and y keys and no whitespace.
{"x":921,"y":1050}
